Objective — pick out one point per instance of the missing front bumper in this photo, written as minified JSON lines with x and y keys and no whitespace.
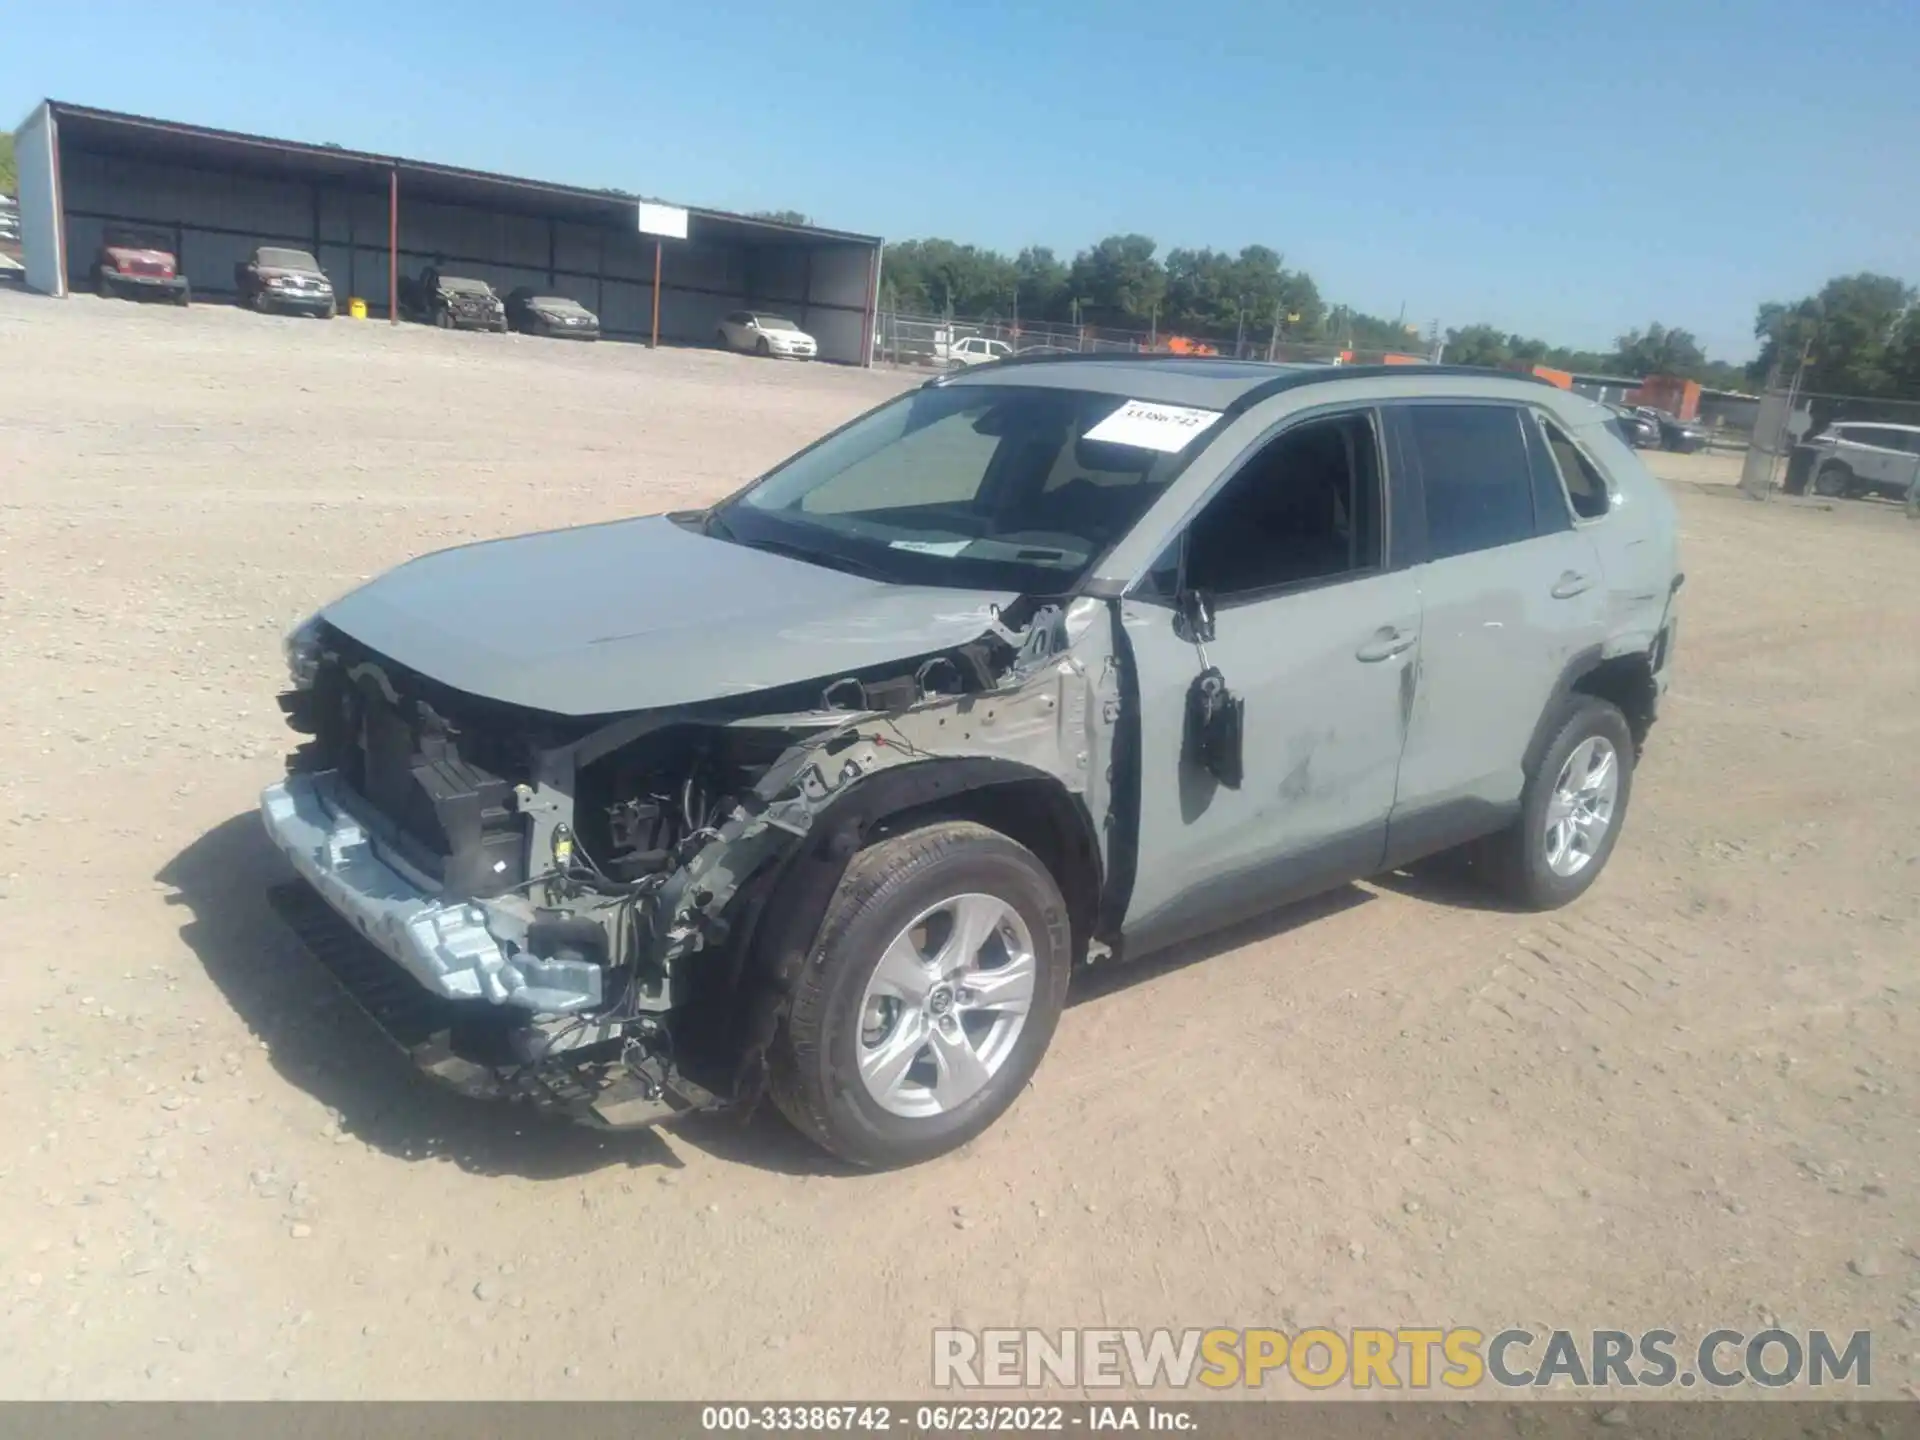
{"x":468,"y":1048}
{"x":445,"y":946}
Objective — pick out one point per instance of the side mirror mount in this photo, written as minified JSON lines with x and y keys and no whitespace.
{"x":1216,"y":717}
{"x":1195,"y":607}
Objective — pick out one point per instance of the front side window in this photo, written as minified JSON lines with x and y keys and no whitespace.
{"x":1305,"y":507}
{"x":992,"y":486}
{"x":1586,"y":487}
{"x":1473,"y":467}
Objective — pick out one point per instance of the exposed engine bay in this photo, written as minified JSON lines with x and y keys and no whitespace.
{"x":609,"y":902}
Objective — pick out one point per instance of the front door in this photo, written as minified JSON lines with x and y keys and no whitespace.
{"x":1318,"y":637}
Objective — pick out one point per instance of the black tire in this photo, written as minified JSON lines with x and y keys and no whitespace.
{"x":102,"y":286}
{"x":1515,"y":860}
{"x":720,"y":339}
{"x":443,"y":318}
{"x":1833,"y":480}
{"x":813,"y":1064}
{"x":763,"y":349}
{"x":184,"y":296}
{"x":331,"y":310}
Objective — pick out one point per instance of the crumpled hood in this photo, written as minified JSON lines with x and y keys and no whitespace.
{"x":642,"y":614}
{"x":283,"y":272}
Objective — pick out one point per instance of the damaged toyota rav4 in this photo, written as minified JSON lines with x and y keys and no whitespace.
{"x":822,"y":793}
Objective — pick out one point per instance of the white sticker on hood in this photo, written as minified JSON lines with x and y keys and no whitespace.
{"x":1152,"y":427}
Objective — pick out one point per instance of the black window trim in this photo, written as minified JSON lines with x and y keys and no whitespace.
{"x":1373,"y":412}
{"x":1400,"y":414}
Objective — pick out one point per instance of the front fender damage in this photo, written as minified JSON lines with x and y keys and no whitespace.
{"x":702,"y":951}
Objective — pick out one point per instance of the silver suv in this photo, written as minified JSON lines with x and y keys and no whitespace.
{"x":1855,"y":459}
{"x":822,"y":792}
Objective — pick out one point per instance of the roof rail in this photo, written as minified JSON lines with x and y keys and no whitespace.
{"x":1298,"y":371}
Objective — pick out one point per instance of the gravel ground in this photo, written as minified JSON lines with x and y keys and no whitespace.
{"x":1689,"y":1101}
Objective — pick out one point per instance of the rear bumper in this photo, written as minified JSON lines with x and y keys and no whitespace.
{"x":446,"y":947}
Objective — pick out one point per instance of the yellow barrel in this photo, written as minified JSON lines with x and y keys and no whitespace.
{"x":357,"y":308}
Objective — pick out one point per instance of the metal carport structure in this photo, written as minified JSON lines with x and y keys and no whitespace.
{"x":370,"y":217}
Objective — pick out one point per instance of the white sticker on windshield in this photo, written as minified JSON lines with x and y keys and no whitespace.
{"x":930,"y":547}
{"x":1151,"y":426}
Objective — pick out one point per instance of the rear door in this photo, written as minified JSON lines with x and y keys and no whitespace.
{"x":1512,"y":599}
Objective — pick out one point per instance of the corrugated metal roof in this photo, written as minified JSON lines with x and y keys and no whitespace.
{"x":114,"y":132}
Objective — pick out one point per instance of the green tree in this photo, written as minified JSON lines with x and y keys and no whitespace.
{"x":9,"y":171}
{"x":783,"y":217}
{"x":1477,"y":345}
{"x":1659,"y":350}
{"x":1857,"y":334}
{"x":1041,"y":278}
{"x":1118,"y":281}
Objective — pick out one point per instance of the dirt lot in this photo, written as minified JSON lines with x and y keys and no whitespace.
{"x":1689,"y":1101}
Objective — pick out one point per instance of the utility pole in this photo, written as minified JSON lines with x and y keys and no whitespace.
{"x":1153,"y":328}
{"x":1273,"y":340}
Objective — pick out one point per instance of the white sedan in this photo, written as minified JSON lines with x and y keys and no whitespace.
{"x":759,"y":333}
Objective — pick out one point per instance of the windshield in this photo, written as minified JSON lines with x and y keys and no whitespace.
{"x":556,"y":302}
{"x":140,"y":240}
{"x":459,"y":285}
{"x":288,"y":260}
{"x":972,"y":486}
{"x":775,"y":322}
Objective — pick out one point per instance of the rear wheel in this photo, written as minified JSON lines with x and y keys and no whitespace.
{"x":183,"y":297}
{"x":931,"y":993}
{"x":1570,"y":812}
{"x":1833,"y":479}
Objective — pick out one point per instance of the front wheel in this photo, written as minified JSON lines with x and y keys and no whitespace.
{"x":1571,"y":810}
{"x":1832,"y":480}
{"x":184,"y":296}
{"x":443,"y":318}
{"x":763,"y":349}
{"x":928,"y":999}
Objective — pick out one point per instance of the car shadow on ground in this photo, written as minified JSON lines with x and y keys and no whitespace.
{"x":320,"y":1042}
{"x":1447,"y":879}
{"x":1097,"y":982}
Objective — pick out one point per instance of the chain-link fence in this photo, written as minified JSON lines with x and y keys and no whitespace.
{"x":937,"y":342}
{"x":1839,"y":446}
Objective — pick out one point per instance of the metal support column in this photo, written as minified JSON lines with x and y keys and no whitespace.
{"x":393,"y":246}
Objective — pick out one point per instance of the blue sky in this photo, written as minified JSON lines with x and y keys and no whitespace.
{"x":1565,"y":171}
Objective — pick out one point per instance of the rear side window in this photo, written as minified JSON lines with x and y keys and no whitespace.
{"x":1473,"y":467}
{"x":1586,"y":489}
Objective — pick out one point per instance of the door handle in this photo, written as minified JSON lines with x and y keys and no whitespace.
{"x":1387,"y":642}
{"x":1570,"y":584}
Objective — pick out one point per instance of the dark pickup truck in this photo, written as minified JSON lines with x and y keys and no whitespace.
{"x":273,"y":278}
{"x":453,"y":302}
